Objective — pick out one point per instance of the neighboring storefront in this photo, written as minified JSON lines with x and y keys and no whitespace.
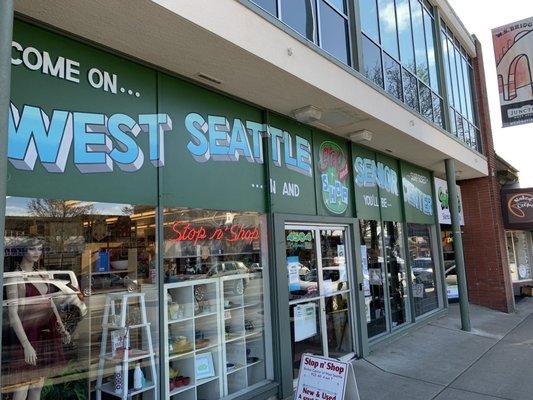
{"x":157,"y":229}
{"x":446,"y":235}
{"x":517,"y":208}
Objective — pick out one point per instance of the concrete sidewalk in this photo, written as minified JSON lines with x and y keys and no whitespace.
{"x":441,"y":362}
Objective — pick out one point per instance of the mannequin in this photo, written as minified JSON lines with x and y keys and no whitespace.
{"x":37,"y":327}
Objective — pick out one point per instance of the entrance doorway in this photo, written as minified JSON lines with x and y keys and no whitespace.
{"x":320,"y":291}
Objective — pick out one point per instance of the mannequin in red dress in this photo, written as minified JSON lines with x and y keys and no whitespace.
{"x":34,"y":320}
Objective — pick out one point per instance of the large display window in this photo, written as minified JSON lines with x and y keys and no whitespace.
{"x":373,"y":277}
{"x":423,"y":268}
{"x":384,"y":276}
{"x":79,"y":290}
{"x":216,"y":303}
{"x":519,"y":253}
{"x":396,"y":273}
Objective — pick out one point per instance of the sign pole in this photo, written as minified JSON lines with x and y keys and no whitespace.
{"x":6,"y":35}
{"x":453,"y":200}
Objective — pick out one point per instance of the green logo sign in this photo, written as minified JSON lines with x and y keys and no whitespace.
{"x":299,"y":237}
{"x":333,"y":166}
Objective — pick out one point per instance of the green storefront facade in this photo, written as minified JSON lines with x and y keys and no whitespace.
{"x":219,"y":239}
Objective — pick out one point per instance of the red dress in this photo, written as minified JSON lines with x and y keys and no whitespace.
{"x":40,"y":324}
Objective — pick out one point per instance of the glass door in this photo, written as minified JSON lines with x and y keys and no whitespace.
{"x":384,"y":276}
{"x":319,"y":292}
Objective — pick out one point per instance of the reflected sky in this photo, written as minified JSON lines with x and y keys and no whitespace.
{"x":18,"y":207}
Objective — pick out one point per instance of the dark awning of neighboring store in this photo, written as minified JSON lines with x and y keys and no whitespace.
{"x":517,"y":208}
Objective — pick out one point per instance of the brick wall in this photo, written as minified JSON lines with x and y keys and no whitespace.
{"x":488,"y":277}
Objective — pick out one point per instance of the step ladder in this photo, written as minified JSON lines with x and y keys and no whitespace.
{"x":126,"y":300}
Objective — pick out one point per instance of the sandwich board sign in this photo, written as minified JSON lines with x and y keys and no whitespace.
{"x":325,"y":379}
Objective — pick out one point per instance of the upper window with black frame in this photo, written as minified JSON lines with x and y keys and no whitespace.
{"x":399,"y":53}
{"x":323,"y":22}
{"x":459,"y":85}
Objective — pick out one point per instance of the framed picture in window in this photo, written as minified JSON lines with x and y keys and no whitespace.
{"x":204,"y":366}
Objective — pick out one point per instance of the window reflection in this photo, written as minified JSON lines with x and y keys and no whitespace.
{"x":300,"y":15}
{"x":387,"y":26}
{"x":422,"y":268}
{"x":373,"y":277}
{"x":459,"y":81}
{"x":405,"y":43}
{"x":407,"y":55}
{"x":393,"y":77}
{"x":396,"y":272}
{"x":66,"y":262}
{"x":268,"y":5}
{"x":410,"y":90}
{"x":369,"y":19}
{"x":334,"y":32}
{"x":215,"y":283}
{"x":372,"y":62}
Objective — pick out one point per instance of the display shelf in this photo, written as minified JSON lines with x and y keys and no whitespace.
{"x":235,"y":369}
{"x":109,"y":388}
{"x":210,"y":347}
{"x":136,"y":326}
{"x":174,"y":321}
{"x":204,"y":319}
{"x":200,"y":326}
{"x":182,"y":389}
{"x":254,"y":363}
{"x":123,"y":360}
{"x":201,"y":382}
{"x":206,"y":314}
{"x":175,"y":356}
{"x":134,"y":355}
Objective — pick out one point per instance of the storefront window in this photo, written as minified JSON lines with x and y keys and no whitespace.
{"x":423,"y":270}
{"x":373,"y":275}
{"x":80,"y":300}
{"x":396,"y":272}
{"x":215,"y":292}
{"x":519,"y":256}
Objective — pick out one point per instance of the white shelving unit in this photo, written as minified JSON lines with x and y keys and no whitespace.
{"x":144,"y":351}
{"x":231,"y":321}
{"x":199,"y":328}
{"x":244,"y":331}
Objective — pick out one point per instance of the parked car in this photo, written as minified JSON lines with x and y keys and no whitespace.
{"x":64,"y":290}
{"x":226,"y":268}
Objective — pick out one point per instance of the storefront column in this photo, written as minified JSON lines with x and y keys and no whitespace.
{"x":458,"y":245}
{"x":6,"y":34}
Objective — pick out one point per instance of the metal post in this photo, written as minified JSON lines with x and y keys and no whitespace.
{"x":6,"y":35}
{"x":453,"y":201}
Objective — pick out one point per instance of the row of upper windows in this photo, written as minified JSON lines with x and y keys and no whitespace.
{"x":398,"y":49}
{"x":459,"y":83}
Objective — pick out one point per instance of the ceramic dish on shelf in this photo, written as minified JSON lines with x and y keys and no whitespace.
{"x":251,"y":360}
{"x":230,"y":366}
{"x":201,"y":343}
{"x":120,"y":265}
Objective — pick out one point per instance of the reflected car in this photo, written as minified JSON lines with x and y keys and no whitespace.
{"x":63,"y":290}
{"x":452,"y":289}
{"x":226,"y":268}
{"x":422,"y":269}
